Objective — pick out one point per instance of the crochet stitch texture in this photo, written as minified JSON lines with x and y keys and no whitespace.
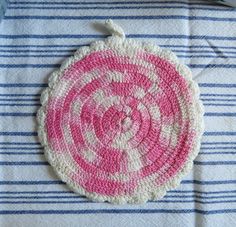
{"x":121,"y":120}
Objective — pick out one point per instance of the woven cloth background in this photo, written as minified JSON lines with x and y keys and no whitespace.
{"x":35,"y":37}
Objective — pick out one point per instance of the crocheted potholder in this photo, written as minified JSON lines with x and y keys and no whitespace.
{"x":121,"y":120}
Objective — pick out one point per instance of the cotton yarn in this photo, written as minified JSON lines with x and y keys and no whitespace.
{"x":121,"y":120}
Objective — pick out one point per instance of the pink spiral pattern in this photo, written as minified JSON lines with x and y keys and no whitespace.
{"x":120,"y":125}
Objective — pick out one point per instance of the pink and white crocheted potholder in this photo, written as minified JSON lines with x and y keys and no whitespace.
{"x":121,"y":120}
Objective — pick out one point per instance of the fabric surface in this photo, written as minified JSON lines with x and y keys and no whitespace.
{"x":36,"y":36}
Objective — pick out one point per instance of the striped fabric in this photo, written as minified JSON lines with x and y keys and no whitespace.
{"x":37,"y":35}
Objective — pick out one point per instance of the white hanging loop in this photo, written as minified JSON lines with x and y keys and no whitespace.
{"x":114,"y":29}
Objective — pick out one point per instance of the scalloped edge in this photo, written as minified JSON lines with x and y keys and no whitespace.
{"x":117,"y":42}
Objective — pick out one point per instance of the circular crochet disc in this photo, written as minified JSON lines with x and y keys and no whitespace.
{"x":121,"y":121}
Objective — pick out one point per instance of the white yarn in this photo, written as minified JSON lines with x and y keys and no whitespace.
{"x":114,"y":29}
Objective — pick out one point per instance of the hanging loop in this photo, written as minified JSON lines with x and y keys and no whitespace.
{"x":114,"y":29}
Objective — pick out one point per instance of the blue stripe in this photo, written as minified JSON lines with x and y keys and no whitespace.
{"x":18,"y":133}
{"x":39,"y":56}
{"x":208,"y":182}
{"x":216,"y":148}
{"x":29,"y":65}
{"x":42,"y":192}
{"x":21,"y":148}
{"x":71,"y":192}
{"x":36,"y":163}
{"x":229,"y":133}
{"x":201,"y":56}
{"x":220,"y":114}
{"x":73,"y":50}
{"x":69,"y":55}
{"x":86,"y":36}
{"x":40,"y":148}
{"x":19,"y":143}
{"x":39,"y":182}
{"x":213,"y":104}
{"x":37,"y":95}
{"x":121,"y":7}
{"x":39,"y":51}
{"x":225,"y":133}
{"x":107,"y":3}
{"x":77,"y":46}
{"x":204,"y":51}
{"x":13,"y":95}
{"x":33,"y":85}
{"x":18,"y":114}
{"x":55,"y":36}
{"x":75,"y":196}
{"x":21,"y":153}
{"x":198,"y":46}
{"x":21,"y":99}
{"x":21,"y":94}
{"x":16,"y":104}
{"x":42,"y":153}
{"x":58,"y":65}
{"x":216,"y":143}
{"x":119,"y":211}
{"x":87,"y":201}
{"x":201,"y":192}
{"x":44,"y":182}
{"x":226,"y":95}
{"x":138,"y":17}
{"x":225,"y":100}
{"x":216,"y":152}
{"x":57,"y":45}
{"x":45,"y":202}
{"x":38,"y":144}
{"x":215,"y":163}
{"x":217,"y":85}
{"x":212,"y":66}
{"x":23,"y":163}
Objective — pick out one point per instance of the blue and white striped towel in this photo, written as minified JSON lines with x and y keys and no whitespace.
{"x":37,"y":35}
